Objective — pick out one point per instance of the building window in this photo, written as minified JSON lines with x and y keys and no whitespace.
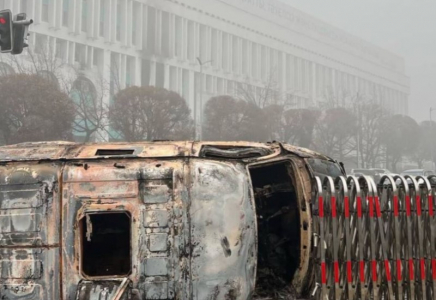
{"x":178,"y":37}
{"x":166,"y":35}
{"x":65,"y":9}
{"x":203,"y":43}
{"x":225,"y":53}
{"x":151,"y":30}
{"x":263,"y":58}
{"x":119,"y":19}
{"x":136,"y":7}
{"x":160,"y":75}
{"x":23,"y":6}
{"x":80,"y":55}
{"x":45,"y":5}
{"x":84,"y":15}
{"x":235,"y":55}
{"x":102,"y":16}
{"x":254,"y":60}
{"x":191,"y":41}
{"x":245,"y":57}
{"x":61,"y":46}
{"x":40,"y":43}
{"x":129,"y":71}
{"x":214,"y":48}
{"x":96,"y":57}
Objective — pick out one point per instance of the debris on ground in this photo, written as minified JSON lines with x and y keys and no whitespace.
{"x":272,"y":287}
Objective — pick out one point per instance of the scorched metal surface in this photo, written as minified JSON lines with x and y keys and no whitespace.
{"x":188,"y":210}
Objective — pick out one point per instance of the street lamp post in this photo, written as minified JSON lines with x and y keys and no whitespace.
{"x":431,"y":139}
{"x":199,"y":121}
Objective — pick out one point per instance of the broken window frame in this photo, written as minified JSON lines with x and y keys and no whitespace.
{"x":303,"y":208}
{"x":86,"y":215}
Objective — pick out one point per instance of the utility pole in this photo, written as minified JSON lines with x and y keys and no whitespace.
{"x":431,"y":139}
{"x":198,"y":116}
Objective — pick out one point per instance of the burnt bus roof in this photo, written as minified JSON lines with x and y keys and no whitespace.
{"x":44,"y":151}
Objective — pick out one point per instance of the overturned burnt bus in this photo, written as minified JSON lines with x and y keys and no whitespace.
{"x":158,"y":220}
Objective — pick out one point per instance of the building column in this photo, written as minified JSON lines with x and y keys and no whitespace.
{"x":129,"y":22}
{"x":282,"y":74}
{"x":137,"y":79}
{"x":152,"y":73}
{"x":95,"y":19}
{"x":112,"y":21}
{"x":123,"y":67}
{"x":78,"y":17}
{"x":36,"y":11}
{"x":124,"y":34}
{"x":53,"y":15}
{"x":140,"y":28}
{"x":314,"y":79}
{"x":167,"y":76}
{"x":71,"y":52}
{"x":72,"y":16}
{"x":102,"y":135}
{"x":192,"y":92}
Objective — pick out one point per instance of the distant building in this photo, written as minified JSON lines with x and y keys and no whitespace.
{"x":248,"y":43}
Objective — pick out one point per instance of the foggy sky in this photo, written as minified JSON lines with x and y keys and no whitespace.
{"x":404,"y":27}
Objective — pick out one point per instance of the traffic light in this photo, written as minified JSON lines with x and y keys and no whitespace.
{"x":19,"y":33}
{"x":6,"y":33}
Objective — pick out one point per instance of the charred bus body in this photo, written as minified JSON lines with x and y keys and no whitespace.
{"x":158,"y":220}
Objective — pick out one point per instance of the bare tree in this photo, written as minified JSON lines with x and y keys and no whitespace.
{"x":394,"y":131}
{"x":33,"y":109}
{"x":370,"y":117}
{"x":299,"y":125}
{"x":262,"y":95}
{"x":90,"y":107}
{"x":423,"y":151}
{"x":150,"y":113}
{"x":335,"y":133}
{"x":91,"y":111}
{"x":227,"y":118}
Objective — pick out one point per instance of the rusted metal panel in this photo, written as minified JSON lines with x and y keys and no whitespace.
{"x":29,"y":231}
{"x":150,"y":192}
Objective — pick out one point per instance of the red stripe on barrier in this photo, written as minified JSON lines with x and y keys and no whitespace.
{"x":396,"y":206}
{"x":399,"y":267}
{"x":336,"y":272}
{"x":374,"y":270}
{"x":333,"y":207}
{"x":362,"y":271}
{"x":408,"y":206}
{"x":388,"y":270}
{"x":411,"y":272}
{"x":359,"y":207}
{"x":347,"y":207}
{"x":418,"y":205}
{"x":349,"y":272}
{"x":433,"y":261}
{"x":371,"y":207}
{"x":430,"y":205}
{"x":377,"y":207}
{"x":323,"y":274}
{"x":321,"y":207}
{"x":423,"y":269}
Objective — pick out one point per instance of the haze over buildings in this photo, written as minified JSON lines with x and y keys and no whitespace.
{"x":242,"y":45}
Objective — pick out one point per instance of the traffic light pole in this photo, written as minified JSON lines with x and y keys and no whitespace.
{"x":13,"y":32}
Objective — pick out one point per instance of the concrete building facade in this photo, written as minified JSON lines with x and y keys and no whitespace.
{"x":203,"y":48}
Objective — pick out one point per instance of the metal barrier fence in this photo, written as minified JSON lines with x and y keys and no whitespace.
{"x":374,"y":241}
